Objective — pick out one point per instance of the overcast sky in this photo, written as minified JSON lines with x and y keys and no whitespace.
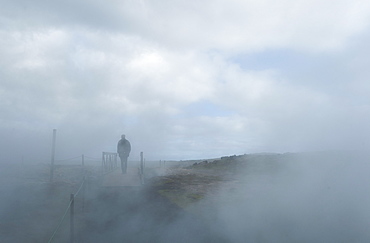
{"x":183,"y":79}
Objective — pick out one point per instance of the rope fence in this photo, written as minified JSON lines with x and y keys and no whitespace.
{"x":108,"y":163}
{"x":81,"y":158}
{"x":73,"y":158}
{"x":91,"y":158}
{"x":70,"y":208}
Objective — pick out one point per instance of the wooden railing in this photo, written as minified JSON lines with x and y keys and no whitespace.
{"x":109,"y":161}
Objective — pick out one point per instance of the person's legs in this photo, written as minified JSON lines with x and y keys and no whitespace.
{"x":122,"y":164}
{"x":125,"y":163}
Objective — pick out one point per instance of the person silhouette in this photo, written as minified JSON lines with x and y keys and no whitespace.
{"x":123,"y":150}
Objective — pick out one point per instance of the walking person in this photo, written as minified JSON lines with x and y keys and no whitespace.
{"x":123,"y":150}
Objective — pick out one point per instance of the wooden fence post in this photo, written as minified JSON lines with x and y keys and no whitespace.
{"x":71,"y":219}
{"x":83,"y":194}
{"x":102,"y":164}
{"x":53,"y":155}
{"x":141,"y":163}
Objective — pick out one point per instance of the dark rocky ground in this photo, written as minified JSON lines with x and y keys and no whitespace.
{"x":157,"y":212}
{"x":141,"y":216}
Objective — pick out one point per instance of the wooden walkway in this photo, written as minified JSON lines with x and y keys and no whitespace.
{"x":117,"y":179}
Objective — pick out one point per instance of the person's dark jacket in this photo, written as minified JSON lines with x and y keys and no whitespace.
{"x":123,"y":147}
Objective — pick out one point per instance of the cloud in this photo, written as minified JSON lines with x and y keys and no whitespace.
{"x":252,"y":25}
{"x":233,"y":25}
{"x":270,"y":76}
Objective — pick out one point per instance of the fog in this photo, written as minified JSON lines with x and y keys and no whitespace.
{"x":187,"y":80}
{"x":291,"y":197}
{"x":317,"y":197}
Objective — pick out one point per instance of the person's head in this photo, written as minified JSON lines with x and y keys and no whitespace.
{"x":123,"y":136}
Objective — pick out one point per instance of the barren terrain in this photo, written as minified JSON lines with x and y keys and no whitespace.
{"x":228,"y":199}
